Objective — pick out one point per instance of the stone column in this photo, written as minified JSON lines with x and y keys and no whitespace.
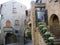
{"x":33,"y":19}
{"x":32,"y":11}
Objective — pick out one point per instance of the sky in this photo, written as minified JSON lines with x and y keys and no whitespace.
{"x":25,"y":2}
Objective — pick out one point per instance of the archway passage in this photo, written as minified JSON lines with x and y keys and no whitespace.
{"x":10,"y":38}
{"x":54,"y":25}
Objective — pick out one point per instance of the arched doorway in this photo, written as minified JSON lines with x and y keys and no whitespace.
{"x":54,"y":19}
{"x":10,"y":38}
{"x":54,"y":25}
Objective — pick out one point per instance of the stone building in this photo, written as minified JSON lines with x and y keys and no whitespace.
{"x":28,"y":21}
{"x":50,"y":11}
{"x":54,"y":17}
{"x":12,"y":20}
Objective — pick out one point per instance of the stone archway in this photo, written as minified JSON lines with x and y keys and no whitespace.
{"x":54,"y":25}
{"x":10,"y":38}
{"x":54,"y":20}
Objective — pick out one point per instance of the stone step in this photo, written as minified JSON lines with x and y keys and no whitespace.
{"x":56,"y":43}
{"x":55,"y":30}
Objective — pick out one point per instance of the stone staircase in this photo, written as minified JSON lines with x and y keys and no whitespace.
{"x":55,"y":30}
{"x":43,"y":40}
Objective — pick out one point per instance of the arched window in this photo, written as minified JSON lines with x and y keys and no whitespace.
{"x":16,"y":22}
{"x":8,"y":23}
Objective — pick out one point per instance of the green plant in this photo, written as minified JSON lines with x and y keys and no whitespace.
{"x":51,"y":40}
{"x":40,"y":23}
{"x":41,"y":26}
{"x":29,"y":34}
{"x":47,"y":34}
{"x":44,"y":29}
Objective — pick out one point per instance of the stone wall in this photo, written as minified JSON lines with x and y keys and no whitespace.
{"x":53,"y":8}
